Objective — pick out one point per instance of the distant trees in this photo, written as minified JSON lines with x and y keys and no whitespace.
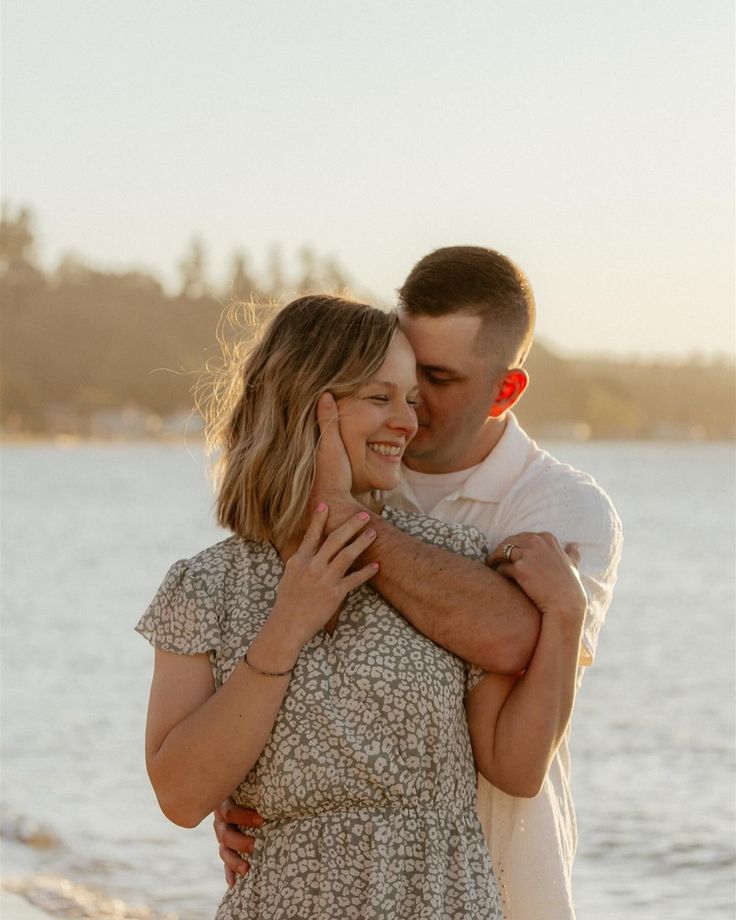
{"x":192,"y":270}
{"x":78,"y":343}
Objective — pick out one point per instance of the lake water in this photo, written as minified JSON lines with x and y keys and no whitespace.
{"x":87,"y":535}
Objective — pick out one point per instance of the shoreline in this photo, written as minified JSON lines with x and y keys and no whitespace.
{"x":39,"y":897}
{"x":15,"y":907}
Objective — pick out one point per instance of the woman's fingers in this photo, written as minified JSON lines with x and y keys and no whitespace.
{"x":342,"y":535}
{"x":524,"y":546}
{"x":507,"y":552}
{"x":347,"y":556}
{"x":544,"y":571}
{"x":353,"y":580}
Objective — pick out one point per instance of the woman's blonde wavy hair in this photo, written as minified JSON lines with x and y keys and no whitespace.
{"x":260,"y":404}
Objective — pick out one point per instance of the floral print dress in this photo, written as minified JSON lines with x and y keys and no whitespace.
{"x":367,"y":782}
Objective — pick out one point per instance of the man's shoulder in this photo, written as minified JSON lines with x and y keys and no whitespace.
{"x":551,"y":484}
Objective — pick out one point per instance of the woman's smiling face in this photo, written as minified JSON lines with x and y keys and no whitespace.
{"x":377,"y":422}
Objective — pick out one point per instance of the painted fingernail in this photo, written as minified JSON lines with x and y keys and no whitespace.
{"x":370,"y":533}
{"x":322,"y":506}
{"x":363,"y":516}
{"x":375,"y":565}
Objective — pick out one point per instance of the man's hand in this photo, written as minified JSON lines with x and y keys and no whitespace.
{"x":232,"y":842}
{"x":333,"y":476}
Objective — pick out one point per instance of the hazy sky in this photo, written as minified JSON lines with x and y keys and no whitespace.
{"x":590,"y":141}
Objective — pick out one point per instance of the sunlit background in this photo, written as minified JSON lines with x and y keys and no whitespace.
{"x":592,"y":142}
{"x":161,"y":157}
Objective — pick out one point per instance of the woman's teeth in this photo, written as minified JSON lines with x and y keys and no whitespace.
{"x":388,"y":450}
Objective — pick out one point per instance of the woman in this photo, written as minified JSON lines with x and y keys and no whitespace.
{"x":280,"y":672}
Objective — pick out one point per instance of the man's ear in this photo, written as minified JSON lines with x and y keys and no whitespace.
{"x":512,"y":386}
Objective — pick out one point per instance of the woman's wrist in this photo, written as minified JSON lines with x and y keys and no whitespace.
{"x":567,"y":622}
{"x":275,"y":649}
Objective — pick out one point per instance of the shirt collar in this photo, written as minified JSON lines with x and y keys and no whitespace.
{"x":493,"y":479}
{"x":496,"y":474}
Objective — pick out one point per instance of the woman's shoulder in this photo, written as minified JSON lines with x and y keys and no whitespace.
{"x":208,"y":576}
{"x":221,"y":559}
{"x":214,"y":557}
{"x":186,"y":613}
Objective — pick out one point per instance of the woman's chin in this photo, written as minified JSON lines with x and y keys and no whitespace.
{"x":385,"y":484}
{"x":364,"y":491}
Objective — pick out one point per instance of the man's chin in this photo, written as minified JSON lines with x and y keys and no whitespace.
{"x":419,"y":445}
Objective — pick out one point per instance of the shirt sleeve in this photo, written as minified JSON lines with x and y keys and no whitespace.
{"x":576,"y":510}
{"x":183,"y":615}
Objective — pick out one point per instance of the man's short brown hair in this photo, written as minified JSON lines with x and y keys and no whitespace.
{"x":481,"y":282}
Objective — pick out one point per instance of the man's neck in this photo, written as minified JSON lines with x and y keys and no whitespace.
{"x":488,"y":437}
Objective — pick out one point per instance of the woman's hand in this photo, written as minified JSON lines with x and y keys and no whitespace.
{"x":545,"y":572}
{"x":317,"y":577}
{"x":516,"y":728}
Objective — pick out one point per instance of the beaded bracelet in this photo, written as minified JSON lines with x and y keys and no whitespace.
{"x":255,"y":670}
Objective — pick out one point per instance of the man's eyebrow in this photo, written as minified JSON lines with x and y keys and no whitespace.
{"x":438,"y":369}
{"x":390,"y":384}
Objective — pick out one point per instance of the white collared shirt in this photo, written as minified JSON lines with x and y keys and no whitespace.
{"x":517,"y":488}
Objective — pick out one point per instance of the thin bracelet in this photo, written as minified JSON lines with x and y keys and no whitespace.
{"x":250,"y":667}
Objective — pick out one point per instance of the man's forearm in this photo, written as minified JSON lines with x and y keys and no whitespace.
{"x":460,"y":604}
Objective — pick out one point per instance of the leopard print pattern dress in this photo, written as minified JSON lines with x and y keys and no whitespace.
{"x":367,"y":782}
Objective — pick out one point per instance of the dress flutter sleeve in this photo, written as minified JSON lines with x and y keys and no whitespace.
{"x":183,"y":615}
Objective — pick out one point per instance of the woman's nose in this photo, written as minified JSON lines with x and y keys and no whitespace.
{"x":405,"y":419}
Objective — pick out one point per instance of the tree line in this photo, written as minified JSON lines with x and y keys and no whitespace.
{"x":78,"y":342}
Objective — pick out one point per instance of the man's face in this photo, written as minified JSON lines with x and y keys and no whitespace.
{"x":457,"y":385}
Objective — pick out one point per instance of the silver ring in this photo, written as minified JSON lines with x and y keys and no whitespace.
{"x":508,"y":548}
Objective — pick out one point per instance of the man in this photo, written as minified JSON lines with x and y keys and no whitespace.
{"x":468,"y":313}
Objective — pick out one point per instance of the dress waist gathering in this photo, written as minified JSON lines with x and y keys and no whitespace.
{"x":365,"y":813}
{"x":368,"y":862}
